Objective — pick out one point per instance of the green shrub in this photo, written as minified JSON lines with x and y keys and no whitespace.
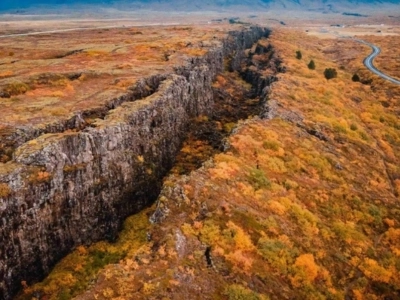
{"x":330,"y":73}
{"x":103,"y":258}
{"x":311,"y":65}
{"x":298,"y":54}
{"x":16,"y":88}
{"x":355,"y":78}
{"x":64,"y":295}
{"x":258,"y":179}
{"x":239,"y":292}
{"x":353,"y":127}
{"x":272,"y":145}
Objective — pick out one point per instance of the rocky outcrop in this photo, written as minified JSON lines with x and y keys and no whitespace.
{"x":63,"y":189}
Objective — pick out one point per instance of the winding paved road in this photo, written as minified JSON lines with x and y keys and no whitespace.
{"x":369,"y":62}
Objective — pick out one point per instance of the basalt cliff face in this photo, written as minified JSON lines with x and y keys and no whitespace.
{"x":69,"y":188}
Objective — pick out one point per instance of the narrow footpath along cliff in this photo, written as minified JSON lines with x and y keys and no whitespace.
{"x":64,"y":189}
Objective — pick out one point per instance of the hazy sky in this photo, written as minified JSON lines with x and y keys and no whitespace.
{"x":24,"y":4}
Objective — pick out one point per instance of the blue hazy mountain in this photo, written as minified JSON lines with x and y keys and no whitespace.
{"x":15,"y":5}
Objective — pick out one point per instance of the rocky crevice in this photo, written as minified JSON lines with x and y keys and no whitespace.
{"x":12,"y":138}
{"x":66,"y":189}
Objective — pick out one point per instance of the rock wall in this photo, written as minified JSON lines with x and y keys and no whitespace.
{"x":70,"y":188}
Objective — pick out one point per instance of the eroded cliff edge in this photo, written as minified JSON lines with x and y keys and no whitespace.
{"x":70,"y":188}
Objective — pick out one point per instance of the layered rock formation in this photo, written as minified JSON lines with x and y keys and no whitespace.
{"x":70,"y":188}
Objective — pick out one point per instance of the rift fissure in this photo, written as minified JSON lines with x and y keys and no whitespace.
{"x":77,"y":187}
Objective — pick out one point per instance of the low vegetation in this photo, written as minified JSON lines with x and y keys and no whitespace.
{"x":330,"y":73}
{"x":79,"y":269}
{"x":61,"y":75}
{"x":301,"y":206}
{"x":311,"y":65}
{"x":5,"y":190}
{"x":355,"y":78}
{"x":298,"y":54}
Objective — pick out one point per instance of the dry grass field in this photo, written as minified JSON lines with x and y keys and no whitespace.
{"x":56,"y":75}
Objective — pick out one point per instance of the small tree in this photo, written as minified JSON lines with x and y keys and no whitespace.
{"x":298,"y":54}
{"x":330,"y":73}
{"x":311,"y":65}
{"x":355,"y":78}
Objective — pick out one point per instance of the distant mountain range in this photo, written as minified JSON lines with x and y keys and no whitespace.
{"x":23,"y":5}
